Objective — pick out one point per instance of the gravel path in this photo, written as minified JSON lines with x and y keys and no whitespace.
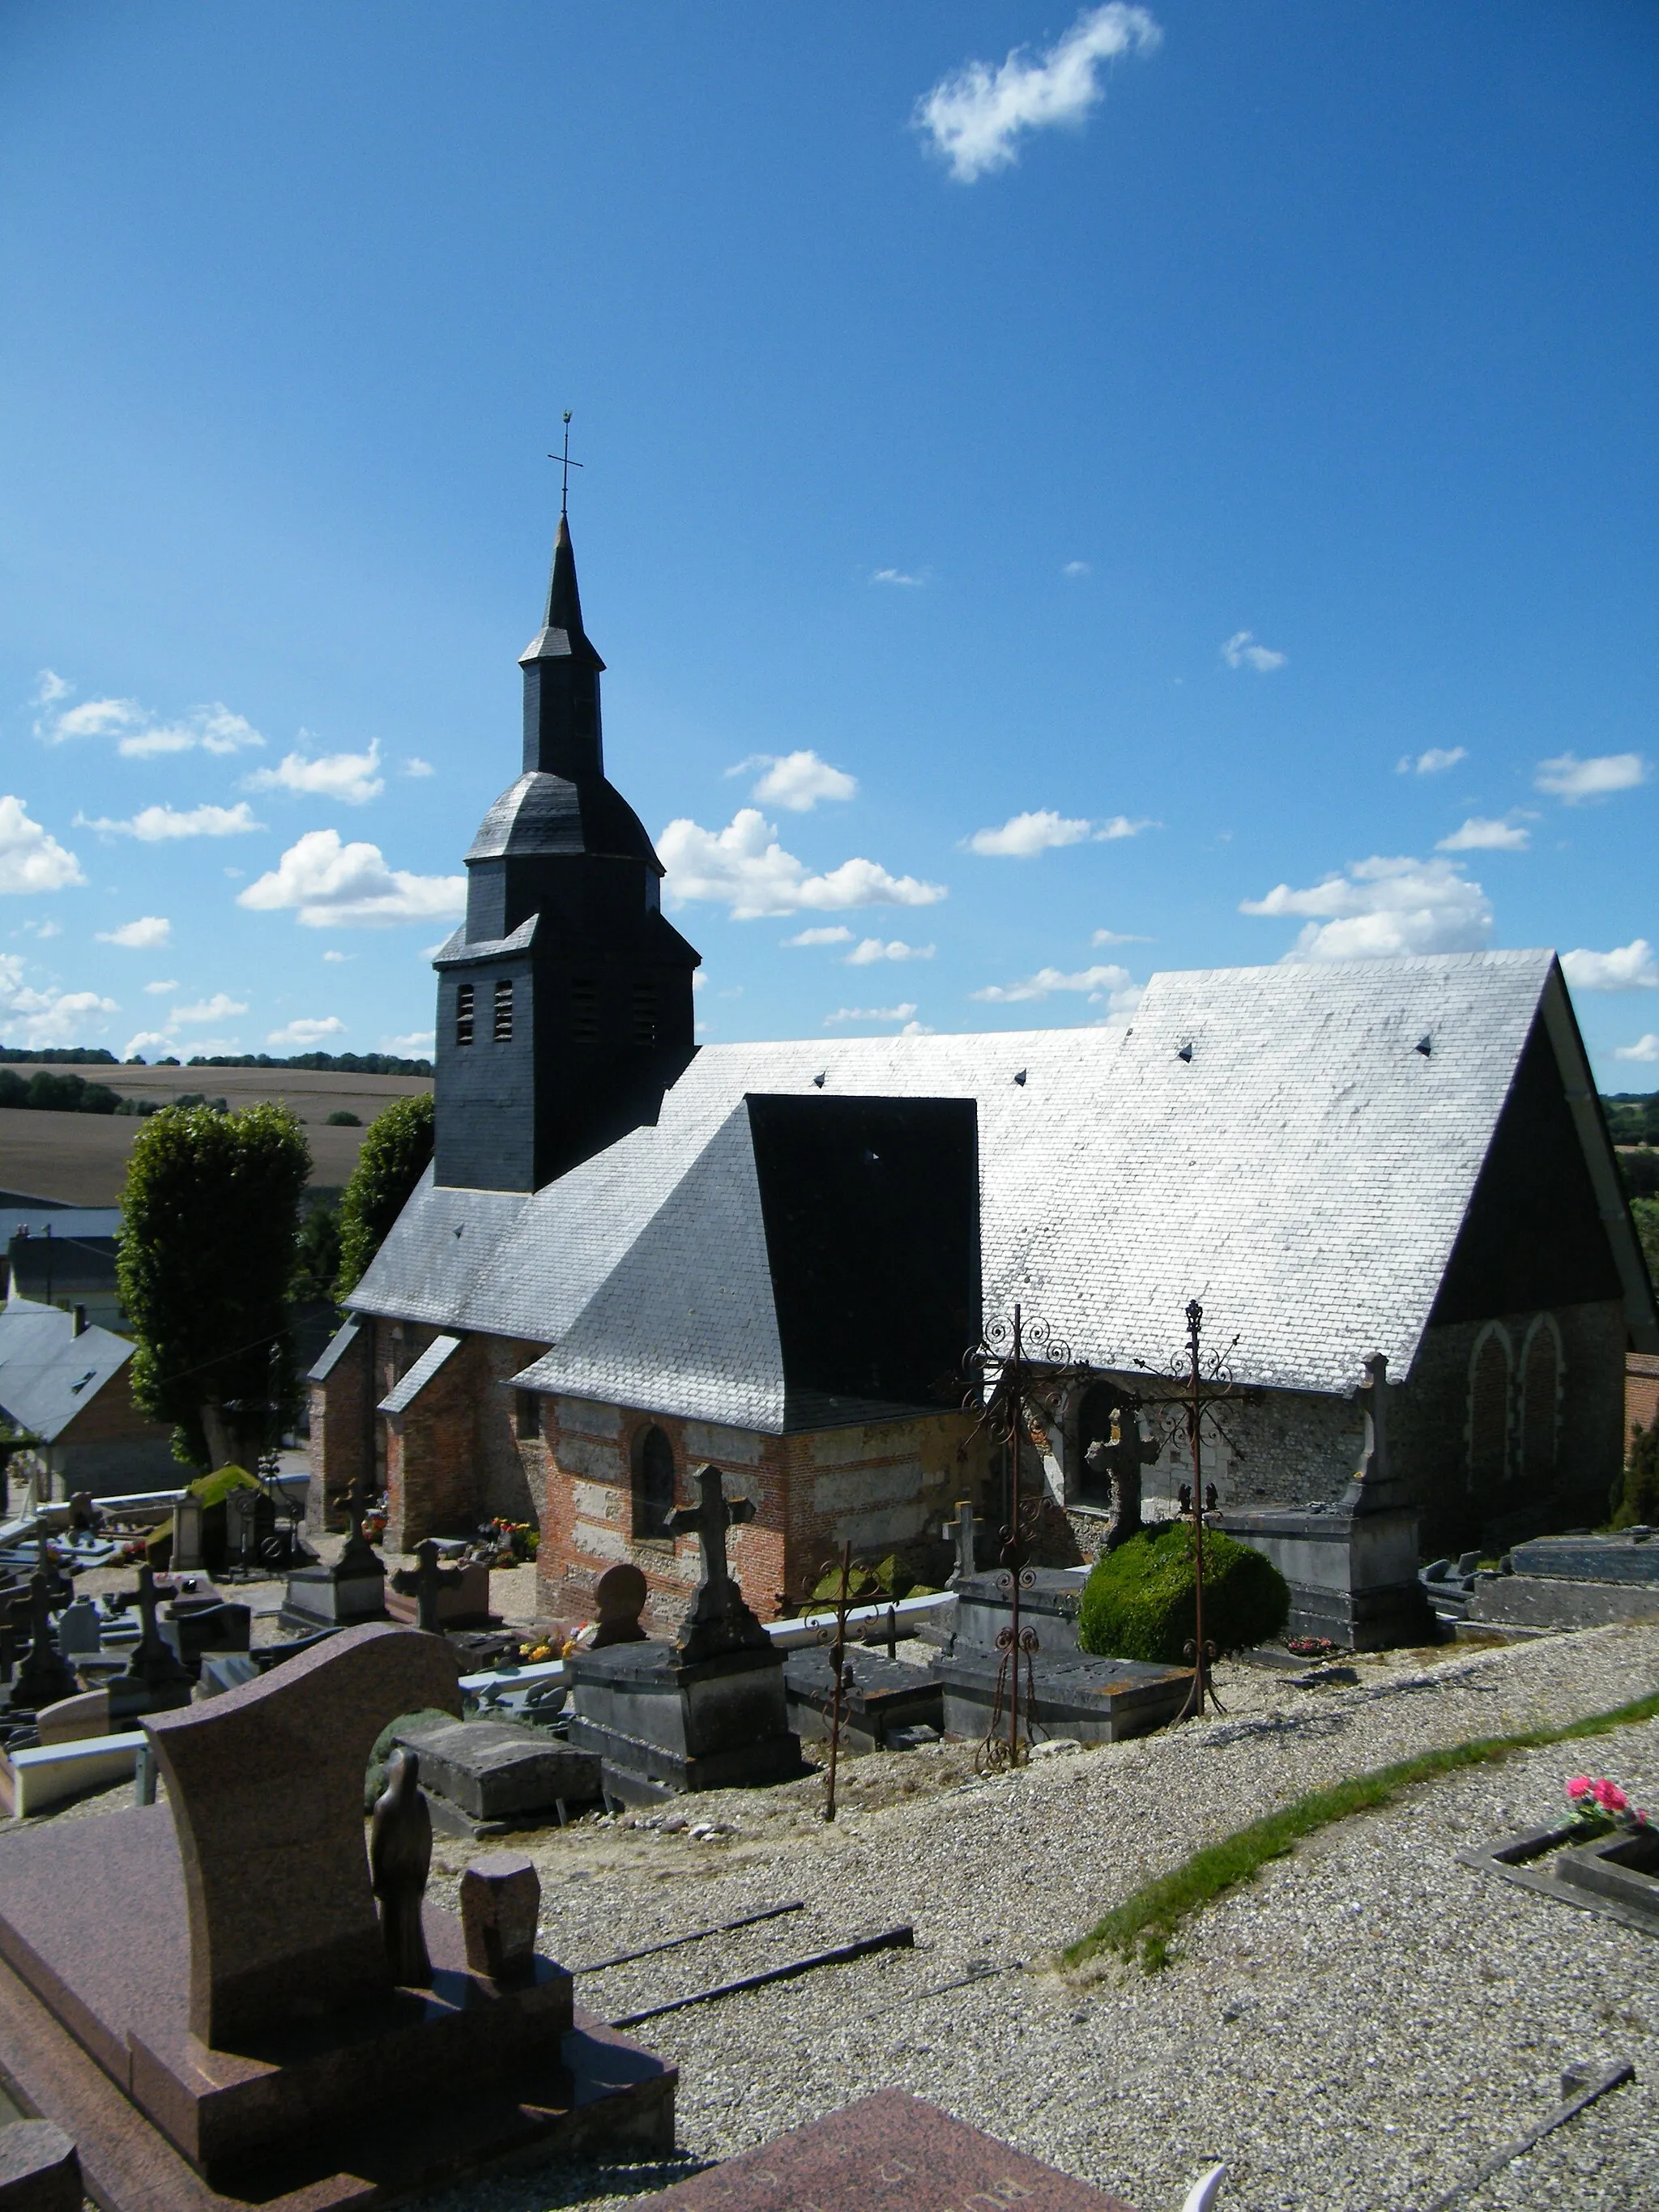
{"x":1357,"y":2030}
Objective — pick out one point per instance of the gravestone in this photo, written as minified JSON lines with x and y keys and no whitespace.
{"x":708,"y":1710}
{"x":888,"y":2152}
{"x":45,"y":1676}
{"x":40,"y":2170}
{"x":156,"y":1677}
{"x":248,"y":2030}
{"x":187,"y":1535}
{"x":501,"y":1903}
{"x":80,"y":1632}
{"x":1572,"y":1582}
{"x":1616,"y":1874}
{"x":484,"y":1778}
{"x":1120,"y":1459}
{"x":884,"y":1698}
{"x":619,"y":1598}
{"x":242,"y":1529}
{"x":442,"y":1597}
{"x":962,"y":1532}
{"x":1073,"y":1692}
{"x":347,"y":1594}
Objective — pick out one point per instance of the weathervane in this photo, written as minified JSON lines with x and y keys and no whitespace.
{"x":566,"y":463}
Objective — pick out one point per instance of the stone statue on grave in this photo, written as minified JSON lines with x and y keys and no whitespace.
{"x":1120,"y":1459}
{"x":719,"y":1620}
{"x":399,"y":1861}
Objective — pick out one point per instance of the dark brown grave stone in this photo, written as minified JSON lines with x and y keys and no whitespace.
{"x":40,"y":2170}
{"x":500,"y":1904}
{"x":889,"y":2152}
{"x":619,"y":1598}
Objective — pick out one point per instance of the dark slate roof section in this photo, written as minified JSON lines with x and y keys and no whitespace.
{"x":456,"y":952}
{"x":543,"y":813}
{"x":334,"y":1351}
{"x":409,"y":1385}
{"x":562,"y":636}
{"x":1268,"y":1139}
{"x":47,"y":1374}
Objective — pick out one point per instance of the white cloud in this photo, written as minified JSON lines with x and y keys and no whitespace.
{"x":1567,"y":777}
{"x":1023,"y":837}
{"x":219,"y":1008}
{"x":305,"y":1032}
{"x":31,"y":858}
{"x":334,"y":958}
{"x":155,"y":825}
{"x":1241,"y":652}
{"x":141,"y":735}
{"x":918,"y":1029}
{"x":1645,"y":1049}
{"x":1117,"y":936}
{"x":415,"y":766}
{"x":1435,"y":762}
{"x":798,"y":780}
{"x":163,"y":987}
{"x":1482,"y":835}
{"x":331,"y":886}
{"x":1096,"y":984}
{"x":38,"y":929}
{"x":744,"y":868}
{"x":900,"y":577}
{"x":904,"y":1013}
{"x":144,"y":935}
{"x":866,"y":955}
{"x":28,"y":1017}
{"x":350,"y":777}
{"x":1383,"y":908}
{"x":146,"y":1040}
{"x":974,"y":117}
{"x":419,"y":1044}
{"x":1630,"y":967}
{"x":49,"y":688}
{"x":1077,"y":569}
{"x":832,"y":932}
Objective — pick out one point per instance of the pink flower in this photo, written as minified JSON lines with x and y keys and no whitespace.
{"x":1579,"y":1785}
{"x":1610,"y":1797}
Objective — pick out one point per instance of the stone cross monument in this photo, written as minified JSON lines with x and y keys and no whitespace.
{"x":719,"y":1620}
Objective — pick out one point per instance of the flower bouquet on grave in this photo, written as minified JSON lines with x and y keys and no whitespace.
{"x":1595,"y":1804}
{"x":1311,"y":1647}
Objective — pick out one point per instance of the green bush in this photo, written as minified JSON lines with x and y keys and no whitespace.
{"x":1138,"y":1603}
{"x":1635,"y":1496}
{"x":393,"y":1159}
{"x":343,"y":1118}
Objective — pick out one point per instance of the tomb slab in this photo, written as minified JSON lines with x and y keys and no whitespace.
{"x":1093,"y":1700}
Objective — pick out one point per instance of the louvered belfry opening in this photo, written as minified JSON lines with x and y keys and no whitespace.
{"x":503,"y":1023}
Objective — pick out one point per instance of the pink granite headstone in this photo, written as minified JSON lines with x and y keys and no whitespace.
{"x":267,"y":1789}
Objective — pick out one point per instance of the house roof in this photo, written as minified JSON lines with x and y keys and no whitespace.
{"x":1275,"y":1141}
{"x":47,"y":1373}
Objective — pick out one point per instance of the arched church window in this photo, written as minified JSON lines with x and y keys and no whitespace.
{"x":1094,"y":1426}
{"x":654,"y":1486}
{"x":464,"y":995}
{"x":504,"y":1011}
{"x":1540,"y":1396}
{"x":1489,"y":1411}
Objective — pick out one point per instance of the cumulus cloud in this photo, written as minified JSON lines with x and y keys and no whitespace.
{"x":1241,"y":651}
{"x":28,"y":1017}
{"x":1382,"y":907}
{"x":1482,"y":835}
{"x":1568,"y":778}
{"x":798,"y":780}
{"x":419,"y":1044}
{"x":306,"y":1032}
{"x":865,"y":954}
{"x":163,"y":987}
{"x":351,"y":777}
{"x":904,"y":1013}
{"x":331,"y":886}
{"x":219,"y":1008}
{"x":155,"y":825}
{"x":1077,"y":569}
{"x":138,"y":733}
{"x":1645,"y":1049}
{"x":38,"y":929}
{"x":1630,"y":967}
{"x":31,"y":858}
{"x":744,"y":868}
{"x":415,"y":766}
{"x":1023,"y":837}
{"x":1435,"y":762}
{"x":1094,"y":983}
{"x":975,"y":116}
{"x":831,"y":933}
{"x":334,"y":959}
{"x":901,"y":577}
{"x":146,"y":1040}
{"x":144,"y":935}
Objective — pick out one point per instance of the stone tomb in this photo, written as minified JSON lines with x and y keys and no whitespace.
{"x":1572,"y":1582}
{"x":486,"y":1777}
{"x":1074,"y":1693}
{"x":1615,"y":1874}
{"x":225,"y":2027}
{"x":888,"y":2152}
{"x":884,"y":1698}
{"x":705,"y":1712}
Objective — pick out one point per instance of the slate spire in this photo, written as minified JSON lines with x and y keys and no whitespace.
{"x":562,"y":726}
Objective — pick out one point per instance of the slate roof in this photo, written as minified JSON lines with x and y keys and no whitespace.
{"x":1269,"y":1139}
{"x":47,"y":1374}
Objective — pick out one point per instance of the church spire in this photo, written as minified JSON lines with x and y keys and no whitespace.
{"x":561,"y":670}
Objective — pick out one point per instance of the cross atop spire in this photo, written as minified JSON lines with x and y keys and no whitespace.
{"x":567,"y":464}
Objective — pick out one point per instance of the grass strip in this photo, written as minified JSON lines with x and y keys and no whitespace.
{"x":1143,"y":1927}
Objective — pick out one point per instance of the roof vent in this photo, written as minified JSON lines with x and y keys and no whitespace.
{"x":1424,"y":1044}
{"x":459,"y":1225}
{"x":1020,"y":1077}
{"x":818,"y":1080}
{"x":1183,"y":1052}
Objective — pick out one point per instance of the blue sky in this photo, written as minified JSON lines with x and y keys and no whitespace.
{"x":1065,"y":495}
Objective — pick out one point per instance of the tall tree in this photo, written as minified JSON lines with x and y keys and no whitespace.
{"x":209,"y":1219}
{"x":397,"y":1148}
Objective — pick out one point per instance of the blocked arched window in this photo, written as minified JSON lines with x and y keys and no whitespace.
{"x":1541,"y":1398}
{"x":1489,"y":1411}
{"x":654,"y":1486}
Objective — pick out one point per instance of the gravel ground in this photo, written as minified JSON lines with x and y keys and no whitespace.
{"x":1356,"y":2031}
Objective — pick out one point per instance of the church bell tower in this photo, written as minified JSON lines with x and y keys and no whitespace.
{"x":564,"y":998}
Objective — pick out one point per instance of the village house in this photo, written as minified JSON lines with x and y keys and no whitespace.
{"x":632,"y":1255}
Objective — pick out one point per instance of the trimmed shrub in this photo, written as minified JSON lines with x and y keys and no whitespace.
{"x":1138,"y":1603}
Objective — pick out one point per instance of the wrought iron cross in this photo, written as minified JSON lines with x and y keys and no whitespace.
{"x":566,"y":465}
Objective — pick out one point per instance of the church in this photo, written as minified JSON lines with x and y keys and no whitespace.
{"x":632,"y":1255}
